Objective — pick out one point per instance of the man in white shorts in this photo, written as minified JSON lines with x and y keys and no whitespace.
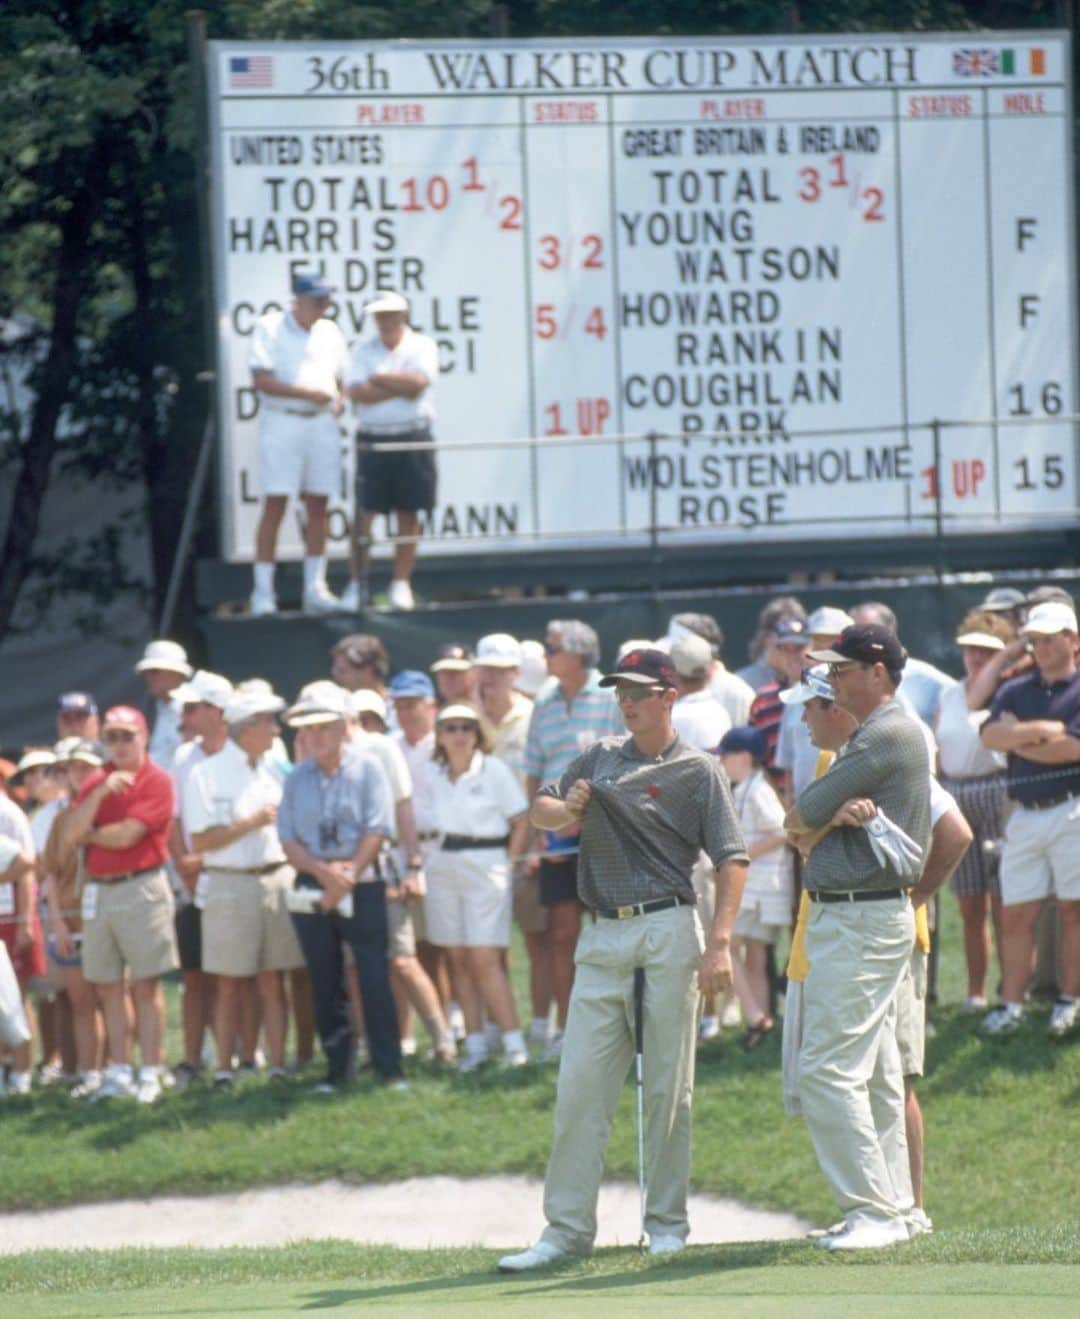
{"x":229,"y":812}
{"x":298,"y":361}
{"x":1036,"y":719}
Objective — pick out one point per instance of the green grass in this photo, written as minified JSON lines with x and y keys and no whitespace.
{"x":1001,"y":1119}
{"x":976,"y":1274}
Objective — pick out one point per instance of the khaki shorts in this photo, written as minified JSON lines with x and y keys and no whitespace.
{"x":530,"y":914}
{"x":1041,"y":855}
{"x":399,"y":921}
{"x":131,"y":926}
{"x":246,"y":927}
{"x":911,"y":1015}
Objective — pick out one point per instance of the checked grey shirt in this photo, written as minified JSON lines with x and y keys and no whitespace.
{"x":886,"y":760}
{"x":648,"y":819}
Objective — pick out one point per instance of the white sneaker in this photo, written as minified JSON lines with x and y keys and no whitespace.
{"x":709,"y":1028}
{"x":148,"y":1088}
{"x":553,"y":1049}
{"x":456,"y":1020}
{"x":731,"y":1015}
{"x":50,"y":1074}
{"x":18,"y":1083}
{"x":868,"y":1236}
{"x":401,"y":596}
{"x":516,"y":1057}
{"x":974,"y":1003}
{"x":262,"y":604}
{"x":88,"y":1084}
{"x":535,"y":1257}
{"x":665,"y":1245}
{"x":470,"y":1062}
{"x":1003,"y":1019}
{"x":920,"y":1224}
{"x":408,"y":1047}
{"x":116,"y":1085}
{"x":319,"y":599}
{"x":1064,"y":1017}
{"x":356,"y":596}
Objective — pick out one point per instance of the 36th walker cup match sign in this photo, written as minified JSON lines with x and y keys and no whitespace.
{"x":782,"y":258}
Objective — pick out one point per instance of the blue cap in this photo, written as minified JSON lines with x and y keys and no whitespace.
{"x":744,"y":738}
{"x":309,"y":283}
{"x":411,"y":682}
{"x":791,"y":632}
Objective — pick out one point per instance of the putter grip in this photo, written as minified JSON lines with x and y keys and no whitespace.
{"x":639,"y":1007}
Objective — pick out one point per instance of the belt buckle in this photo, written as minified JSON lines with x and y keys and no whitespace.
{"x":624,"y":913}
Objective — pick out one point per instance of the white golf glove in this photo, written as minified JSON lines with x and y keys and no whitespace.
{"x":893,"y":848}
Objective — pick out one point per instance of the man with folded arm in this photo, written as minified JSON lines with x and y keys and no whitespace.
{"x":859,"y":939}
{"x":122,"y":816}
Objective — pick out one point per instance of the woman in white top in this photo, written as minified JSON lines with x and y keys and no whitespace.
{"x":976,"y":779}
{"x":765,"y":909}
{"x":480,"y":812}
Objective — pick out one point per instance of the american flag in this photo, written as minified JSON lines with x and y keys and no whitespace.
{"x":971,"y":63}
{"x":252,"y":71}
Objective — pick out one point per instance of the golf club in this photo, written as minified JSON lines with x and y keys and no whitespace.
{"x":639,"y":1028}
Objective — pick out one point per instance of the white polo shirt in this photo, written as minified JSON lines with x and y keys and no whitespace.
{"x":482,"y":802}
{"x":166,"y":736}
{"x":700,"y":720}
{"x":224,"y":788}
{"x":423,"y":771}
{"x":311,"y":359}
{"x":415,"y":352}
{"x":9,"y":850}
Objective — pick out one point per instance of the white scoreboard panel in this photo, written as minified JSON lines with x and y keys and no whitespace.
{"x":790,"y":255}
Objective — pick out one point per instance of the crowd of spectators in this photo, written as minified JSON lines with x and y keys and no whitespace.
{"x":363,"y":879}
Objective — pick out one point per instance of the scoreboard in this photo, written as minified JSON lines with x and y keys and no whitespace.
{"x":719,"y":287}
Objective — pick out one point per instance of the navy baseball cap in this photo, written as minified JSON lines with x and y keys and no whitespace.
{"x":791,"y":632}
{"x":744,"y":738}
{"x":310,"y":284}
{"x":411,"y":682}
{"x":646,"y":665}
{"x":77,"y":703}
{"x":866,"y":643}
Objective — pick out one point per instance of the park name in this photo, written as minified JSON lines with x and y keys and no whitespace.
{"x":674,"y":68}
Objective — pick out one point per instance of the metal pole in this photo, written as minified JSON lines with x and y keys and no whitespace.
{"x":654,"y":516}
{"x":639,"y":1050}
{"x":187,"y":527}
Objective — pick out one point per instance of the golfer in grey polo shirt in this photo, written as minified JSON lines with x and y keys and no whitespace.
{"x":858,"y":942}
{"x":648,"y":805}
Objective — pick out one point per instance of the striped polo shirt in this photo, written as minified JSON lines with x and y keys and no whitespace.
{"x":560,"y":730}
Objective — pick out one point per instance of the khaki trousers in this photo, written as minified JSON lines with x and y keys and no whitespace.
{"x":597,"y":1053}
{"x":850,"y":1080}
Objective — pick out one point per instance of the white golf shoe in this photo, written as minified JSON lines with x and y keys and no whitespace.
{"x":665,"y":1245}
{"x":868,"y":1236}
{"x":400,"y":594}
{"x":319,"y":599}
{"x":1064,"y":1017}
{"x":920,"y":1224}
{"x":535,"y":1257}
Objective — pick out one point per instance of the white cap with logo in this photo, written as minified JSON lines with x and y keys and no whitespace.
{"x":1049,"y":618}
{"x":205,"y":688}
{"x":498,"y":650}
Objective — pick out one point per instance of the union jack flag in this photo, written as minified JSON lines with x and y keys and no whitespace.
{"x":972,"y":63}
{"x":251,"y":71}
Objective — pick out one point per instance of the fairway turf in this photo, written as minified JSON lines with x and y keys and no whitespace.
{"x":764,"y":1280}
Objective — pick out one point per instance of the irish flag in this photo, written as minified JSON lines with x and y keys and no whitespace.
{"x":1013,"y":62}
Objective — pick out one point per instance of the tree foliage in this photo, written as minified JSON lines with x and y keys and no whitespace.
{"x":98,"y":220}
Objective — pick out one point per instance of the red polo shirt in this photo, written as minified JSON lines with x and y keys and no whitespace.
{"x":150,"y":799}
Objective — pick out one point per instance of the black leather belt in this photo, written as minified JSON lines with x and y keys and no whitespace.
{"x":641,"y":908}
{"x":427,"y":835}
{"x":857,"y":895}
{"x":296,"y":412}
{"x":1047,"y":802}
{"x":463,"y":842}
{"x":120,"y":879}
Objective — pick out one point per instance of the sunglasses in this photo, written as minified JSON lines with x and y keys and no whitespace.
{"x":636,"y":693}
{"x":451,"y":727}
{"x":836,"y":669}
{"x":552,"y":648}
{"x":119,"y":735}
